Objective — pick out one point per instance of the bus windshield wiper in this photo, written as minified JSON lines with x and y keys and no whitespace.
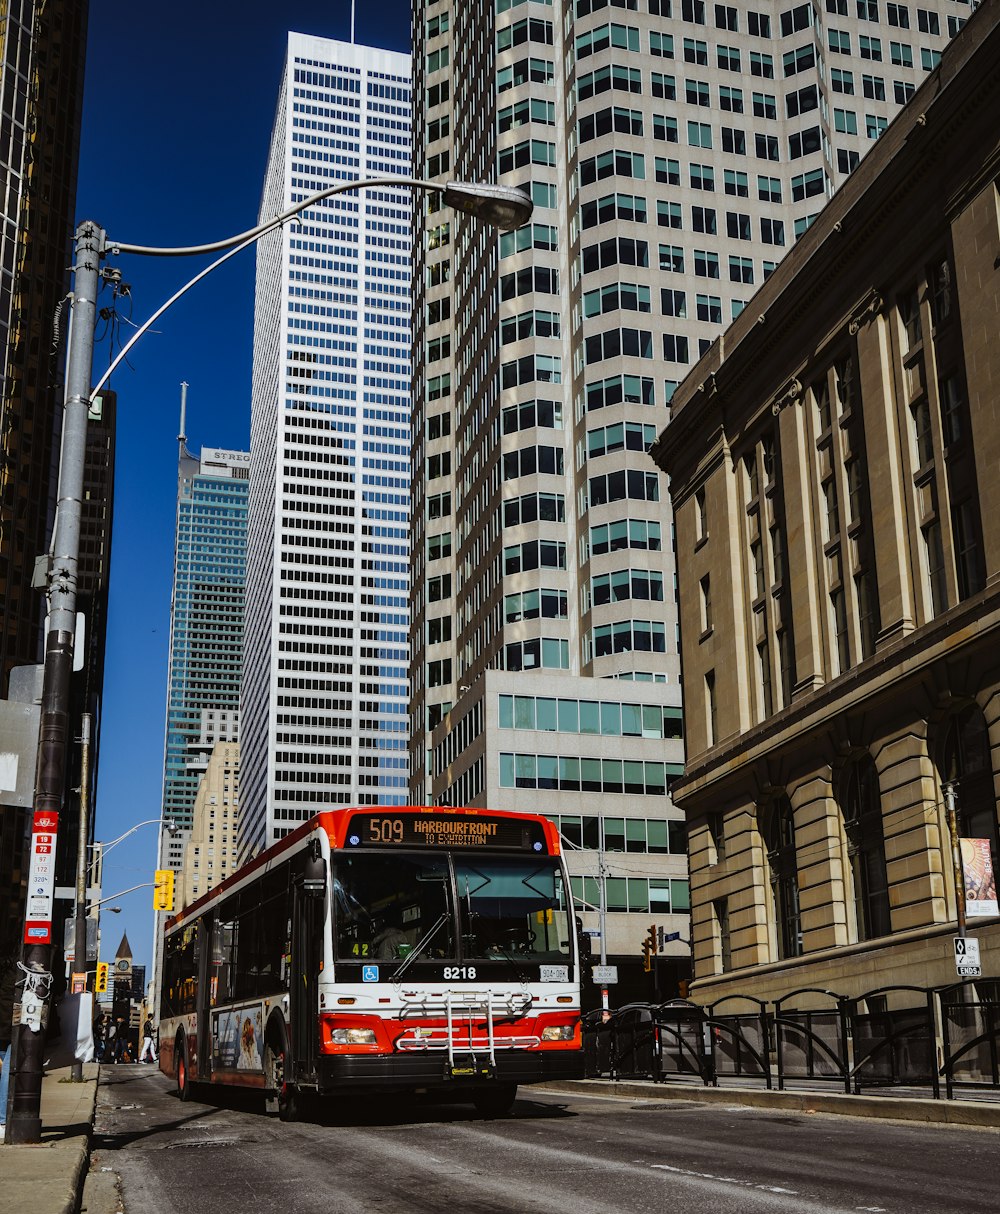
{"x":411,"y":957}
{"x":520,"y":974}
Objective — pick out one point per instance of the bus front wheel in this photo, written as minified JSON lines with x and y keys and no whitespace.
{"x":283,"y":1096}
{"x":495,"y":1100}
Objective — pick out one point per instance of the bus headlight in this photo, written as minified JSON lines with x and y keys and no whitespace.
{"x":353,"y":1037}
{"x":558,"y":1032}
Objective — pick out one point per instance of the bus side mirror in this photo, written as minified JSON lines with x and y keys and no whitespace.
{"x":314,"y":871}
{"x":584,"y":941}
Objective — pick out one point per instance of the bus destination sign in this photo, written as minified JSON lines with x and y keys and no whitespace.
{"x":465,"y":831}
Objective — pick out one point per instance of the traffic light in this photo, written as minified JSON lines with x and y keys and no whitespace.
{"x":101,"y":983}
{"x":649,"y":948}
{"x":163,"y":889}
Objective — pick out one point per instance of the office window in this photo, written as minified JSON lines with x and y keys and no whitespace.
{"x":702,"y":177}
{"x":772,"y":231}
{"x":736,"y":183}
{"x":706,"y":263}
{"x":928,"y":22}
{"x":673,"y":303}
{"x":761,"y":65}
{"x":710,"y":309}
{"x":766,"y":147}
{"x":703,"y":220}
{"x":734,"y":141}
{"x":841,"y":82}
{"x":845,"y":121}
{"x":730,"y":99}
{"x":668,"y":172}
{"x":873,"y":87}
{"x":764,"y":105}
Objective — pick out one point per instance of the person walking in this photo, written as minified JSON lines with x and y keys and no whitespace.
{"x":100,"y":1028}
{"x":8,"y":981}
{"x":148,"y":1041}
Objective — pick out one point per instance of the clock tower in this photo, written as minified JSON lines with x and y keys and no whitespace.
{"x":121,"y":1008}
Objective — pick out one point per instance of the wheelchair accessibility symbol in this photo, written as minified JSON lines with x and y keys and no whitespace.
{"x":369,"y":973}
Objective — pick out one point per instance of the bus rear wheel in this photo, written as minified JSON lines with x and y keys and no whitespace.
{"x":495,"y":1100}
{"x":183,"y":1075}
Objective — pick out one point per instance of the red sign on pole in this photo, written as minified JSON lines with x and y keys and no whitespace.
{"x":41,"y":878}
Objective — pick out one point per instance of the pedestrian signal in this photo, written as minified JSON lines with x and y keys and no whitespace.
{"x":101,"y":984}
{"x":163,"y":889}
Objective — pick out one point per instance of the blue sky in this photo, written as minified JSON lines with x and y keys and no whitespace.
{"x":177,"y":119}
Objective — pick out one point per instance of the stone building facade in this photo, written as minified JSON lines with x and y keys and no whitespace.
{"x":833,"y":462}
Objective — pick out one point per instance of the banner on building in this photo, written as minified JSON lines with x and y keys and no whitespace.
{"x":980,"y":879}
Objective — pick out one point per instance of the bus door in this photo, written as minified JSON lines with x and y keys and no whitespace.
{"x":307,"y":936}
{"x":204,"y":1031}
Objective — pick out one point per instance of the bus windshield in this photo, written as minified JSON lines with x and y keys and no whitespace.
{"x":509,"y":908}
{"x":388,"y":904}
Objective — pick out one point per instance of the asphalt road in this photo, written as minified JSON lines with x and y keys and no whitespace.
{"x":556,"y":1152}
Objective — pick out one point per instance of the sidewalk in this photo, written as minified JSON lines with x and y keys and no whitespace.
{"x":47,"y":1178}
{"x":889,"y":1107}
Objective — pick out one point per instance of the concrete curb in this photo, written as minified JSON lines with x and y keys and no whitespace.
{"x":48,"y":1177}
{"x":890,"y":1108}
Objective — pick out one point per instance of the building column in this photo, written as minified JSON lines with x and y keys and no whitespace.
{"x":819,"y":849}
{"x":974,"y":231}
{"x":916,"y":840}
{"x":890,"y":496}
{"x":801,"y":526}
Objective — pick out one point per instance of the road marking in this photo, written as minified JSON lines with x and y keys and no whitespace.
{"x":746,"y":1184}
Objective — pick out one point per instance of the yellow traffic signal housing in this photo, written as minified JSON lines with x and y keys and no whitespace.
{"x":649,"y":948}
{"x":101,"y":983}
{"x":163,"y":889}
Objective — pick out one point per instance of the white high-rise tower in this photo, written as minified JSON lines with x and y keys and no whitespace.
{"x":324,"y":698}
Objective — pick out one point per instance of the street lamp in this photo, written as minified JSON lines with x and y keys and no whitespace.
{"x":504,"y":207}
{"x":169,"y":823}
{"x":115,"y":910}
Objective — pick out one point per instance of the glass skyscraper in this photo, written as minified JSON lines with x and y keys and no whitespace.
{"x":324,"y":700}
{"x":206,"y":628}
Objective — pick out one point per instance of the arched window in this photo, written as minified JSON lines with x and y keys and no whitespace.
{"x":777,"y":827}
{"x":862,"y":810}
{"x":966,"y":764}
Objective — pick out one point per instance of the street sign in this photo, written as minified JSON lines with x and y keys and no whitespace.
{"x":967,"y":957}
{"x":592,"y":932}
{"x":41,"y":878}
{"x":605,"y":975}
{"x":668,"y":936}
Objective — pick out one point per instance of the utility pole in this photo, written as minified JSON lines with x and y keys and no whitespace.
{"x":80,"y":922}
{"x":25,"y":1125}
{"x":951,"y":812}
{"x":603,"y":914}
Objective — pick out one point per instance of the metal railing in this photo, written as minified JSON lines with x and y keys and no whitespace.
{"x":893,"y":1037}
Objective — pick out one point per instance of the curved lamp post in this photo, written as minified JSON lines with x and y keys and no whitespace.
{"x":504,"y":207}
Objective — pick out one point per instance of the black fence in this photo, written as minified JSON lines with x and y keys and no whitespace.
{"x":943,"y":1041}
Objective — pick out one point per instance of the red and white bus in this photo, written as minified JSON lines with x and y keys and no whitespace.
{"x":380,"y":949}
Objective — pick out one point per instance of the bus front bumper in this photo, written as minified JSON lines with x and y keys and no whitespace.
{"x":433,"y":1070}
